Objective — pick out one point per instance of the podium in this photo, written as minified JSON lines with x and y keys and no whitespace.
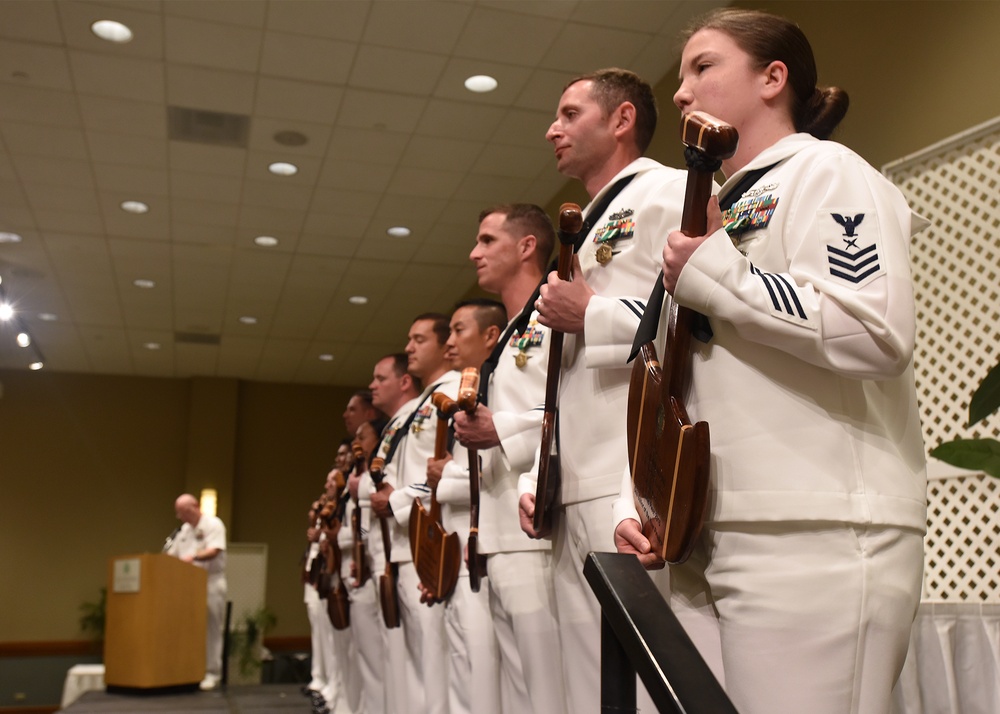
{"x":156,"y":620}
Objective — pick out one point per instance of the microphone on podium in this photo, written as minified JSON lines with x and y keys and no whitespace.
{"x":170,"y":539}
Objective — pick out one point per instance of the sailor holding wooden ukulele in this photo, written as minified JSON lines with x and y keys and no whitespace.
{"x":604,"y":123}
{"x":802,"y":588}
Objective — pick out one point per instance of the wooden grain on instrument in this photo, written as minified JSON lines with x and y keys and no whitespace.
{"x":670,"y":457}
{"x":547,"y":486}
{"x":387,"y":593}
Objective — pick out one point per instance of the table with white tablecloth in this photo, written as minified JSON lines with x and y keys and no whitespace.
{"x":953,"y":666}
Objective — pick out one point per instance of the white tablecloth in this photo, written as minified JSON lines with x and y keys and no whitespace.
{"x":953,"y":666}
{"x":82,"y":678}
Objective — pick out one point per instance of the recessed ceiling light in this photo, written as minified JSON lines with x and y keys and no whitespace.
{"x":248,"y":320}
{"x":35,"y":366}
{"x":135,"y":207}
{"x":111,"y":31}
{"x":358,"y":300}
{"x":326,"y":357}
{"x":480,"y":83}
{"x":9,"y":237}
{"x":283,"y":168}
{"x":23,"y":339}
{"x":47,"y":316}
{"x":144,"y":283}
{"x":6,"y":311}
{"x":399,"y":231}
{"x":266,"y":241}
{"x":152,"y":345}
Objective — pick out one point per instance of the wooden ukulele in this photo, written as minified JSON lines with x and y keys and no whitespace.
{"x":670,"y":456}
{"x":437,"y":554}
{"x":361,"y":567}
{"x":338,"y":606}
{"x":570,"y":224}
{"x":474,"y":562}
{"x":388,"y":597}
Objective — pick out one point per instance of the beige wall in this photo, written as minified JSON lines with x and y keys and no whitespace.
{"x":90,"y":467}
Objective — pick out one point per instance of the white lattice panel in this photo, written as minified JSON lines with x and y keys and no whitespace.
{"x":962,"y":548}
{"x":956,"y":272}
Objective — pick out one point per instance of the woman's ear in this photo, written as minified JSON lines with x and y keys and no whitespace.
{"x":775,"y":79}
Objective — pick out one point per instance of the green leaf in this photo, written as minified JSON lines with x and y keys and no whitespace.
{"x":986,"y":400}
{"x":975,"y":454}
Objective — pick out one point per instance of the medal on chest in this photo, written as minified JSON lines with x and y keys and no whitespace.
{"x":531,"y":338}
{"x":620,"y":226}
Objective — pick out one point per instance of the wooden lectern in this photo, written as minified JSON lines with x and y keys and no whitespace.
{"x":156,"y":620}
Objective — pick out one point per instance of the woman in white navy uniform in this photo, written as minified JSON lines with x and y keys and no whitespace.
{"x":802,"y":589}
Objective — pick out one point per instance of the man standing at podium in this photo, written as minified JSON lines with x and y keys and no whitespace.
{"x":201,"y":541}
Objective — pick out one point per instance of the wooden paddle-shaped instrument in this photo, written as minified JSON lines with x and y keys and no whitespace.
{"x":570,"y":224}
{"x":468,"y":398}
{"x":361,"y":569}
{"x":437,"y":554}
{"x":388,"y":597}
{"x":338,"y":606}
{"x":670,"y":456}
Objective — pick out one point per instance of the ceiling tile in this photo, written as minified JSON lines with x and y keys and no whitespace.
{"x":211,"y":44}
{"x":212,"y":89}
{"x":110,"y":76}
{"x":337,"y":20}
{"x":298,"y":101}
{"x":394,"y":70}
{"x":313,"y":59}
{"x":36,"y":65}
{"x":424,"y":26}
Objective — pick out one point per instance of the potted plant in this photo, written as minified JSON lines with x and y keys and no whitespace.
{"x":246,"y":646}
{"x":977,"y":454}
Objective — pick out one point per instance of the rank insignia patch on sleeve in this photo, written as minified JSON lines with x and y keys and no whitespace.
{"x":853,"y":249}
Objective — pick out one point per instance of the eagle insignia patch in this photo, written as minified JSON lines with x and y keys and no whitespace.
{"x":853,"y":248}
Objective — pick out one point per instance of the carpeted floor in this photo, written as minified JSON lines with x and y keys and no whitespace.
{"x":256,"y":699}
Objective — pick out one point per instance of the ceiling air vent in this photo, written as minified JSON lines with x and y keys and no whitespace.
{"x":205,"y":127}
{"x":196,"y":338}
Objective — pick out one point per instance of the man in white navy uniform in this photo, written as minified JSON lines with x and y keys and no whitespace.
{"x":604,"y":123}
{"x":202,"y":542}
{"x":474,"y":672}
{"x":406,"y":476}
{"x":394,"y":392}
{"x":512,"y":250}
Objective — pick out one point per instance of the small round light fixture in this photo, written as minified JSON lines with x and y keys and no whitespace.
{"x":152,"y":345}
{"x":6,"y":237}
{"x":326,"y":357}
{"x":291,"y":138}
{"x":266,"y":241}
{"x":481,"y":83}
{"x":23,"y":339}
{"x":47,"y":316}
{"x":136,"y":207}
{"x":399,"y":232}
{"x":283,"y":168}
{"x":6,"y":311}
{"x":35,"y":366}
{"x":144,"y":283}
{"x":111,"y":31}
{"x":248,"y":320}
{"x":358,"y":300}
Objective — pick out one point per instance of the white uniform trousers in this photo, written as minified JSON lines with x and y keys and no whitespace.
{"x":581,"y":528}
{"x":426,"y":647}
{"x":216,"y":624}
{"x":523,"y":607}
{"x":369,"y":651}
{"x":802,"y":617}
{"x":474,"y":660}
{"x":319,"y":631}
